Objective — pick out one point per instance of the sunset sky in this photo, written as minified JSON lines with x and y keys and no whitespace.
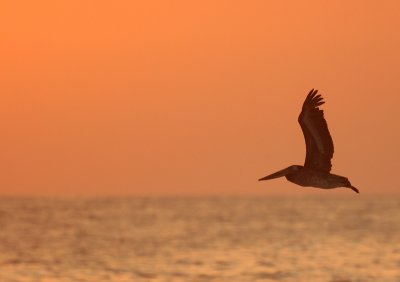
{"x":193,"y":97}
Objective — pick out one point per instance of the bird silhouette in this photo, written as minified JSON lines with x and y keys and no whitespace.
{"x":319,"y":151}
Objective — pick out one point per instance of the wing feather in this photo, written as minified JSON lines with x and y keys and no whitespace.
{"x":319,"y":144}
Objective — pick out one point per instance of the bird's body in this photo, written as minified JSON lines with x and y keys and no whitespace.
{"x":319,"y":151}
{"x":313,"y":178}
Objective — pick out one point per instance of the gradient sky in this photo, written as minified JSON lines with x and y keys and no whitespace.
{"x":193,"y":97}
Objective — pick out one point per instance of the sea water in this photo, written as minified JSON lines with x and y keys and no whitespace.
{"x":279,"y":238}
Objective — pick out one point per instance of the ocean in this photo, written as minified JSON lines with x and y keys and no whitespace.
{"x":211,"y":239}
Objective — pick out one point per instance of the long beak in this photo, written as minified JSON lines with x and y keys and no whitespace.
{"x":277,"y":174}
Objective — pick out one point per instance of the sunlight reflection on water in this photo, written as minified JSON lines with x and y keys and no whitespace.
{"x":201,"y":239}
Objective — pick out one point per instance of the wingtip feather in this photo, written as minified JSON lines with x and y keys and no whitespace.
{"x":313,"y":99}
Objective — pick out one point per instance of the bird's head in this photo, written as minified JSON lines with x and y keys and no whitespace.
{"x":283,"y":172}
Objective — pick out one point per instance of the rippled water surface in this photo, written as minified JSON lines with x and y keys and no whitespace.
{"x":334,"y":239}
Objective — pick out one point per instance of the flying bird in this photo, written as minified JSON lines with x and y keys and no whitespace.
{"x":319,"y":151}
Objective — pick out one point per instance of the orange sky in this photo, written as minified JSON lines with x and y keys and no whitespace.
{"x":193,"y":97}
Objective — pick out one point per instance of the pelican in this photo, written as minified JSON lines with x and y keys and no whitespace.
{"x":319,"y":151}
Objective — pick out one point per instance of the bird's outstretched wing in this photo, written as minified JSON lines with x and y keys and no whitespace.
{"x":319,"y":144}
